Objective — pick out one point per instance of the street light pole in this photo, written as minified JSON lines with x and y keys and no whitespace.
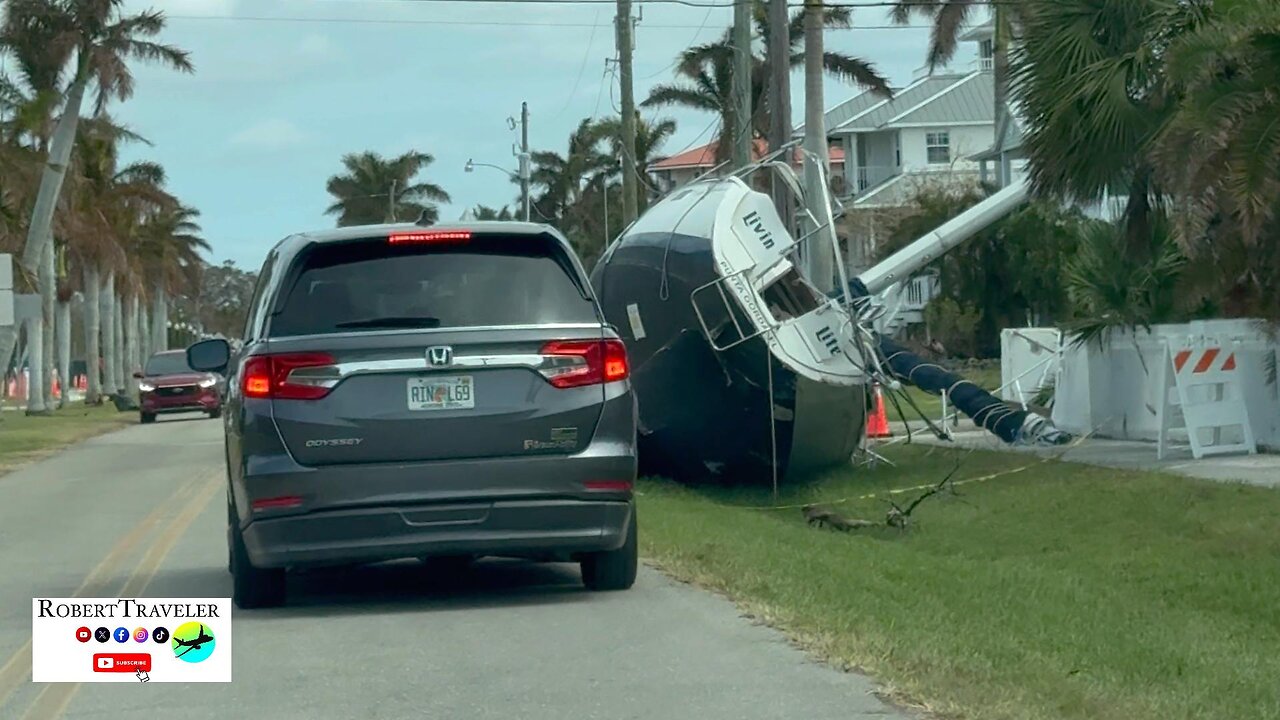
{"x":524,"y":158}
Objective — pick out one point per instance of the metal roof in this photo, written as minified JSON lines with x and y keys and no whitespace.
{"x":867,"y":112}
{"x":972,"y":99}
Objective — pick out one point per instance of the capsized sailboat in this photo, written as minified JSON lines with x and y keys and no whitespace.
{"x":743,"y":369}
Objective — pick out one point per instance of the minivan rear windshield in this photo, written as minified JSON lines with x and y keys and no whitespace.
{"x":375,"y":285}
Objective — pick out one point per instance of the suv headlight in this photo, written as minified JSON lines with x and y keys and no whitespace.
{"x":208,"y":382}
{"x":146,"y":387}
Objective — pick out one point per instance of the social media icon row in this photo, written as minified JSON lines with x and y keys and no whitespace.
{"x":122,"y":635}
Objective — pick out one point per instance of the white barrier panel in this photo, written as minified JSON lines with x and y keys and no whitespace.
{"x":1113,"y":390}
{"x":6,"y":289}
{"x":1201,"y":394}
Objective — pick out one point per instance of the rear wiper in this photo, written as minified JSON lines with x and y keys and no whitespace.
{"x":393,"y":321}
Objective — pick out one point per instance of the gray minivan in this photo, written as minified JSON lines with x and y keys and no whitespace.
{"x":442,"y":392}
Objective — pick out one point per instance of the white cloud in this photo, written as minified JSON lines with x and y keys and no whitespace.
{"x":270,"y":135}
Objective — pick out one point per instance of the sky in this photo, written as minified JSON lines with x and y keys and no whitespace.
{"x":282,"y":89}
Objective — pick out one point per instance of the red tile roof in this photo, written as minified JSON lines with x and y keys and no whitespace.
{"x":705,"y":157}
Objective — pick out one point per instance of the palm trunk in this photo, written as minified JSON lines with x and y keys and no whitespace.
{"x":780,"y":128}
{"x":144,"y":333}
{"x":1000,"y":77}
{"x":107,"y":306}
{"x":92,"y":328}
{"x":62,"y":337}
{"x":40,"y":231}
{"x":117,"y":330}
{"x":160,"y":319}
{"x":819,"y":246}
{"x":48,"y":286}
{"x":130,"y":333}
{"x":35,"y":362}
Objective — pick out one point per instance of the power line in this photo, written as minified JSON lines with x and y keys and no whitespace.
{"x":471,"y":23}
{"x":581,"y":68}
{"x":693,"y":39}
{"x":726,"y":4}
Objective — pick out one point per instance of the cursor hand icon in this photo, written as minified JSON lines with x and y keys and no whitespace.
{"x":142,"y":677}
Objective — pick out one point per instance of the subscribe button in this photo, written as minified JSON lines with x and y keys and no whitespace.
{"x":122,"y":662}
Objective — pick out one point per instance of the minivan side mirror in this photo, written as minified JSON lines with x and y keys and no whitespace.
{"x":209,"y":356}
{"x":138,"y":374}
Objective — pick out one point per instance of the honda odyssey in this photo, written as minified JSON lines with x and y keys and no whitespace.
{"x":425,"y":392}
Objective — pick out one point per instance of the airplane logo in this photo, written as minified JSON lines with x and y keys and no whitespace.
{"x":193,"y":642}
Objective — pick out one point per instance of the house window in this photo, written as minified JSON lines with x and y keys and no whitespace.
{"x":986,"y":54}
{"x":938,"y":147}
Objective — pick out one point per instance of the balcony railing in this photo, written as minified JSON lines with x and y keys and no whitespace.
{"x":868,"y":176}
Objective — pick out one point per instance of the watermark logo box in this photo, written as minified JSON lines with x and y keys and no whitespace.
{"x":185,"y":639}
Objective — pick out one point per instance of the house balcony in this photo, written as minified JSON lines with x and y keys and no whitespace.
{"x":869,"y":176}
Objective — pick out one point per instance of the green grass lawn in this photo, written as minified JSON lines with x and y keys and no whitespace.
{"x":1061,"y":591}
{"x":987,"y":377}
{"x":24,"y":438}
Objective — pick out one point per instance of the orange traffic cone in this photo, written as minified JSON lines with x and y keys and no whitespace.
{"x":877,"y":421}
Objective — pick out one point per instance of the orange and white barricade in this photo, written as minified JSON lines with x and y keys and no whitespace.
{"x":1201,"y":393}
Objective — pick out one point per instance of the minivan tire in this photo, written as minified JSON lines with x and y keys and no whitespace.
{"x":614,"y":569}
{"x":147,"y":417}
{"x":215,"y":413}
{"x":253,"y":587}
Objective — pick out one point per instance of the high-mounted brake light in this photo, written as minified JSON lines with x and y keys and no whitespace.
{"x":586,"y":362}
{"x":429,"y":236}
{"x":267,"y":376}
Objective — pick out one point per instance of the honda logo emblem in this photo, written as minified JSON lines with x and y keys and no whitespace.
{"x":440,"y":356}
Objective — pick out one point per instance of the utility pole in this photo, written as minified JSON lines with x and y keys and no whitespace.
{"x":391,"y":202}
{"x":741,"y":132}
{"x":524,"y":158}
{"x":625,"y":26}
{"x":780,"y":101}
{"x":820,"y":244}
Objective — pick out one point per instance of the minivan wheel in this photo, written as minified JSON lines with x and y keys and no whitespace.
{"x":216,"y":412}
{"x":253,"y":587}
{"x":615,"y":569}
{"x":147,"y":417}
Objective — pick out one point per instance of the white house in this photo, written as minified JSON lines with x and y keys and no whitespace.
{"x":932,"y":126}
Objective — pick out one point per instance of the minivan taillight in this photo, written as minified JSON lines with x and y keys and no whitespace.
{"x":584,"y":362}
{"x":267,"y":376}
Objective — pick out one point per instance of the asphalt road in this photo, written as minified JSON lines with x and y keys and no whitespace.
{"x":140,"y":512}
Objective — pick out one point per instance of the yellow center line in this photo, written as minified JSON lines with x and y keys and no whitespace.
{"x":54,"y":699}
{"x":18,"y":668}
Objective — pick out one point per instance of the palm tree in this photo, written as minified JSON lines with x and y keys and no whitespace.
{"x":94,"y":40}
{"x":484,"y":212}
{"x":948,"y":19}
{"x":567,"y":181}
{"x":170,"y":258}
{"x":650,"y":137}
{"x":1094,"y":101}
{"x":707,"y":73}
{"x":375,"y":190}
{"x":1218,"y":156}
{"x":97,"y":40}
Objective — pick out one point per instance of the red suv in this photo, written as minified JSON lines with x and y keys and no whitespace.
{"x":168,"y":385}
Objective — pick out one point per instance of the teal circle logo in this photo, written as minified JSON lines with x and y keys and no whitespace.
{"x":193,"y":642}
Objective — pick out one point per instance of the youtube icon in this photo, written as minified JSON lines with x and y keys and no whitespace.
{"x":83,"y":634}
{"x":122,"y":662}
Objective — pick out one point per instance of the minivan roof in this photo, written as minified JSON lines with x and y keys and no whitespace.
{"x":355,"y":232}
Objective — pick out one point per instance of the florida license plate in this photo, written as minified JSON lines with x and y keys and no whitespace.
{"x":442,"y":393}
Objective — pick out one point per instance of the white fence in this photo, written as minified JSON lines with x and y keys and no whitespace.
{"x":1114,"y":391}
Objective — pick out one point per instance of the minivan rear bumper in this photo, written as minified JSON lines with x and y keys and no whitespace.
{"x":536,"y":505}
{"x":558,"y":527}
